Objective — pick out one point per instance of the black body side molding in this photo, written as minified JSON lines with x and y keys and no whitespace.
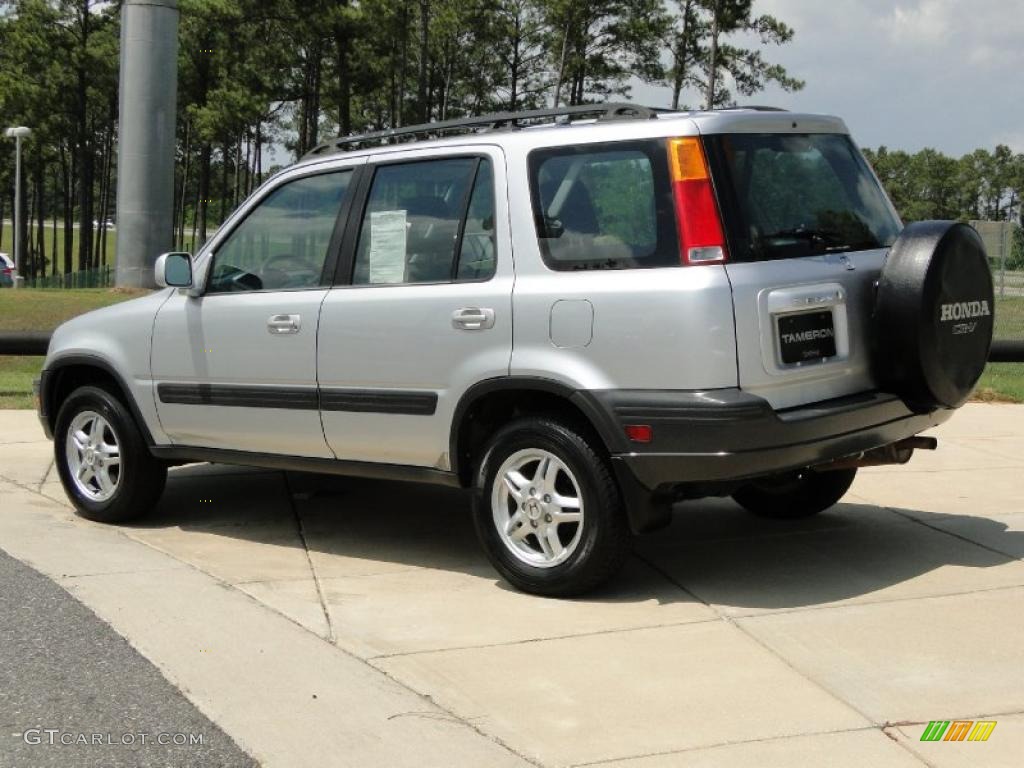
{"x":379,"y":401}
{"x":292,"y":398}
{"x":300,"y":398}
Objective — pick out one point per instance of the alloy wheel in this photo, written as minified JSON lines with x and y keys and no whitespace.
{"x":537,"y":508}
{"x":93,"y":456}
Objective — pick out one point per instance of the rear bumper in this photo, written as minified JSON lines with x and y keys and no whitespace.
{"x":728,"y":435}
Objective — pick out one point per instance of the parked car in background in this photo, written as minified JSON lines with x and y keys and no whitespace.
{"x":6,"y":271}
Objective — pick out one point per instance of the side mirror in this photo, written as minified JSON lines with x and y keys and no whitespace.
{"x":173,"y":270}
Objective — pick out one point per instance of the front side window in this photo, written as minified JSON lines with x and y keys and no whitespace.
{"x":607,"y":206}
{"x":427,"y":222}
{"x":284,"y":242}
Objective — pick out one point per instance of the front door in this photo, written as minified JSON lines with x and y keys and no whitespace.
{"x":235,"y":367}
{"x":424,"y":309}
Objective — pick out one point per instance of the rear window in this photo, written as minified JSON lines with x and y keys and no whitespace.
{"x":791,"y":195}
{"x":604,"y":206}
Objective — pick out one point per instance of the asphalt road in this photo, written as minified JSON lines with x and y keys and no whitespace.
{"x":64,"y":670}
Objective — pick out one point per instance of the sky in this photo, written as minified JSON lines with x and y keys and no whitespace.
{"x":909,"y":74}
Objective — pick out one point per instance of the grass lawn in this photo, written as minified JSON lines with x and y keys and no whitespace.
{"x":31,"y":310}
{"x":1002,"y":382}
{"x":1005,"y":381}
{"x":16,"y":373}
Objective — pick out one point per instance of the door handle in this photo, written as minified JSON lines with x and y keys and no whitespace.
{"x":281,"y":324}
{"x":473,"y":318}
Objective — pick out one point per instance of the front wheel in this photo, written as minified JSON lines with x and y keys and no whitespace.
{"x":793,"y":495}
{"x":547,"y":510}
{"x":102,"y":459}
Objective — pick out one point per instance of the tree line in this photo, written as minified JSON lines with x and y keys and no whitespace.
{"x":262,"y":74}
{"x":931,"y":185}
{"x":58,"y":75}
{"x":983,"y":184}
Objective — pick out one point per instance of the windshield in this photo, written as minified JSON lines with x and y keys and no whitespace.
{"x":789,"y":195}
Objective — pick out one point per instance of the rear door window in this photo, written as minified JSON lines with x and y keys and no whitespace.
{"x":477,"y":255}
{"x":791,"y":195}
{"x":605,"y":206}
{"x":428,"y":222}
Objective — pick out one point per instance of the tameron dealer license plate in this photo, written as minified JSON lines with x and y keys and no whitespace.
{"x":806,"y":336}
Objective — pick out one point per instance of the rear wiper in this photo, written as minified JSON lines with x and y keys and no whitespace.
{"x":829,"y":239}
{"x":606,"y":264}
{"x":806,"y":234}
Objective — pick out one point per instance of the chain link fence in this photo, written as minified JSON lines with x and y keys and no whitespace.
{"x":1004,"y":244}
{"x":100,"y":277}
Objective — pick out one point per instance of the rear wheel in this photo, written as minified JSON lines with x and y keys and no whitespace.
{"x":793,"y":495}
{"x":102,"y":459}
{"x":548,"y":511}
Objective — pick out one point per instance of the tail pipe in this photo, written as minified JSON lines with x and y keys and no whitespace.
{"x":894,"y":453}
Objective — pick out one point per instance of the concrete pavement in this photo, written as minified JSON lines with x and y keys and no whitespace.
{"x":728,"y":640}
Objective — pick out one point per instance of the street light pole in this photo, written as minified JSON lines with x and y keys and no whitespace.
{"x":17,"y":134}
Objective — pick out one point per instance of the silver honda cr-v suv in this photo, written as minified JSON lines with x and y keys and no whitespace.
{"x":581,"y":316}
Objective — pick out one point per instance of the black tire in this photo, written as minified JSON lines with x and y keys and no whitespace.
{"x":795,"y":494}
{"x":604,"y":538}
{"x":140,"y":478}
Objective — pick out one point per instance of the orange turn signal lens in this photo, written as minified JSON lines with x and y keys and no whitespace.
{"x":687,"y":159}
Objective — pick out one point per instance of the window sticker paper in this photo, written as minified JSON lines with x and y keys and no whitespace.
{"x":387,"y":246}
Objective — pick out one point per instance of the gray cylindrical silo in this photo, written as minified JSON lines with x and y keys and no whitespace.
{"x":145,"y":157}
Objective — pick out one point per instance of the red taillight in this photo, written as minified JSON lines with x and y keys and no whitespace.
{"x":639,"y":433}
{"x":700,"y":227}
{"x":7,"y":270}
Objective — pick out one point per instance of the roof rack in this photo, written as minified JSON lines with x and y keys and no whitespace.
{"x":753,"y":107}
{"x":608,"y":111}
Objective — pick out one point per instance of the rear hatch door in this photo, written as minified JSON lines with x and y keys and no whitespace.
{"x":808,"y":227}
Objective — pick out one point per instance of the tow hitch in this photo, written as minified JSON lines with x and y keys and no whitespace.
{"x":894,"y":453}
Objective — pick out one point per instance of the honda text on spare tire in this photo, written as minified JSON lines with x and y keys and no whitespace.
{"x":580,"y":316}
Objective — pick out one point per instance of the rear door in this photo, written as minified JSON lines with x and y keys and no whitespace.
{"x":423,"y":308}
{"x":808,"y":228}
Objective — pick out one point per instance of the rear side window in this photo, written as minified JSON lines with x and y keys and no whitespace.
{"x":791,"y":195}
{"x":604,"y":206}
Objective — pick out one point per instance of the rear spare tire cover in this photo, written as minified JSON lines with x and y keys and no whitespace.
{"x":933,"y":315}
